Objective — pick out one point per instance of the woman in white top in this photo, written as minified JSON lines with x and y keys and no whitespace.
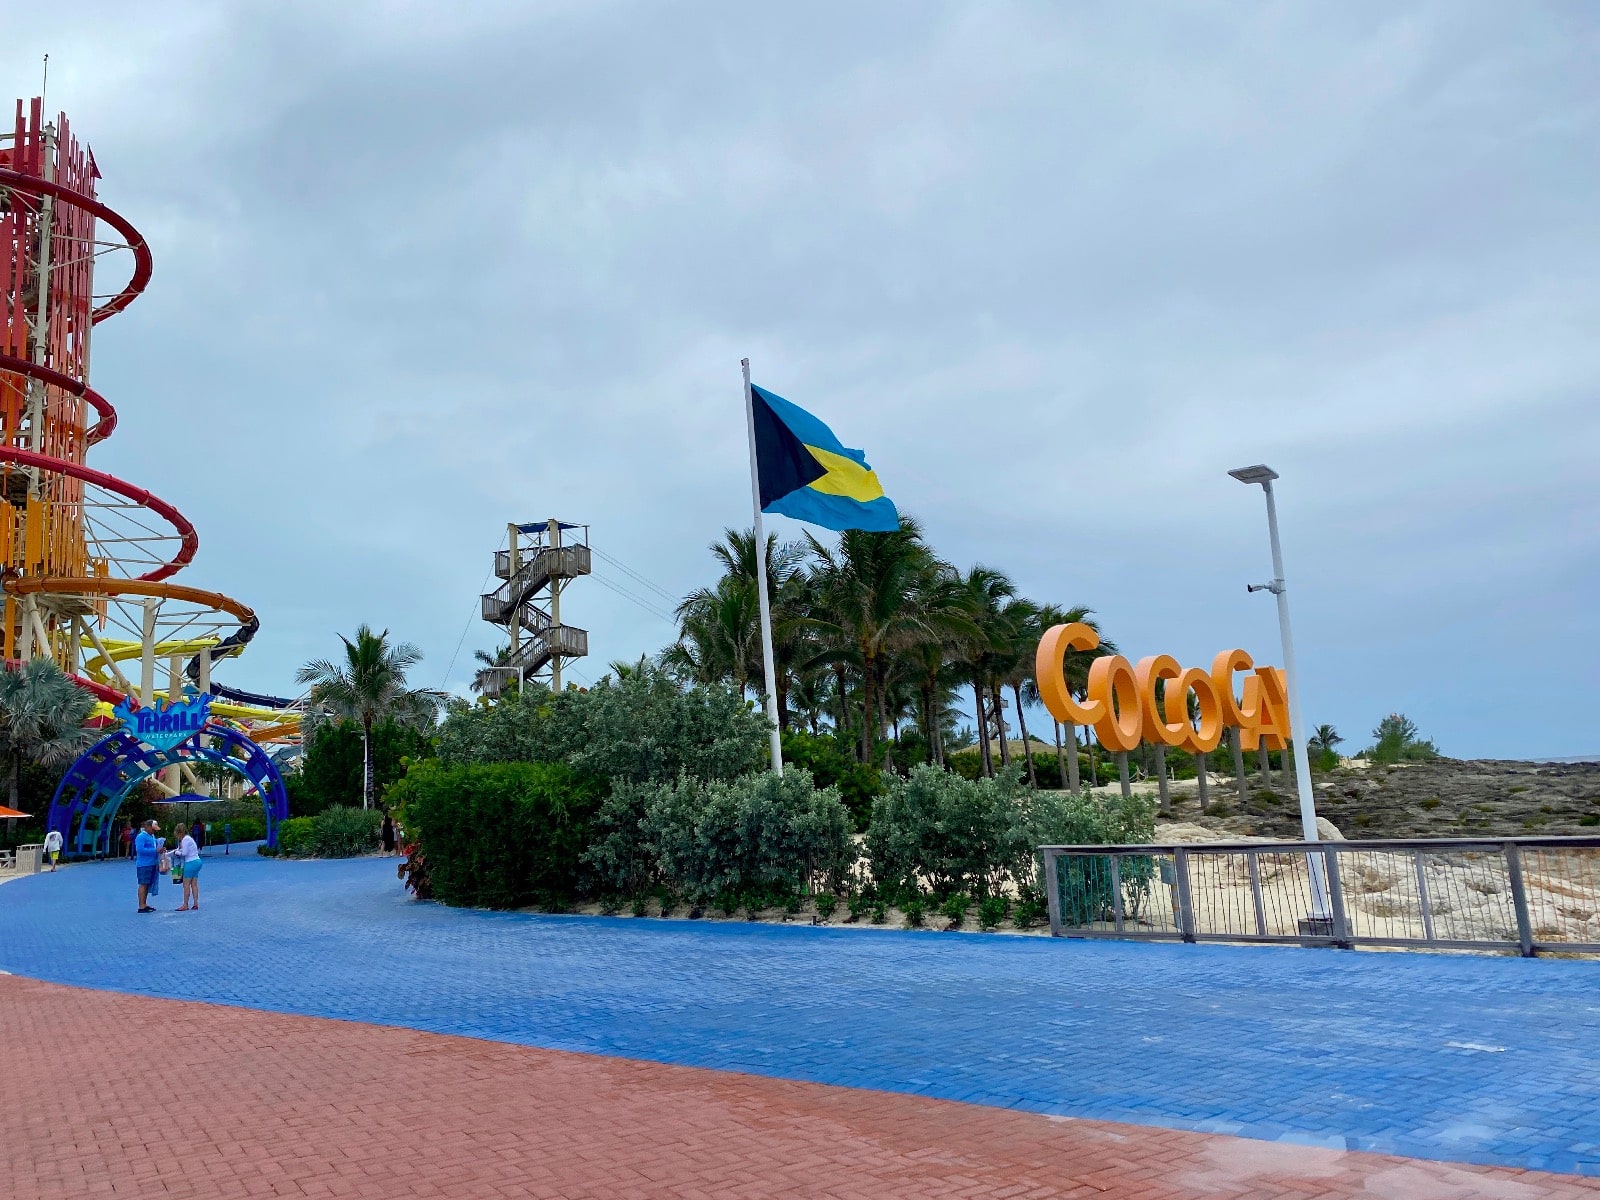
{"x":192,"y":862}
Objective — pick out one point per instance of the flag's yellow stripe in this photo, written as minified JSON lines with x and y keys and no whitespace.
{"x":846,"y":477}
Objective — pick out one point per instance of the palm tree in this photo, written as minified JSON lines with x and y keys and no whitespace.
{"x":370,"y":686}
{"x":494,"y":666}
{"x":870,"y":612}
{"x":1324,"y":737}
{"x":41,"y":719}
{"x":985,"y":593}
{"x":1075,"y":666}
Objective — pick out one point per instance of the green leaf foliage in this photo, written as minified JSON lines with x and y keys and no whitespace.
{"x":760,"y":837}
{"x":832,"y":764}
{"x":331,"y":771}
{"x":938,"y":830}
{"x":294,"y":836}
{"x":337,"y":832}
{"x":500,"y":835}
{"x":640,"y":728}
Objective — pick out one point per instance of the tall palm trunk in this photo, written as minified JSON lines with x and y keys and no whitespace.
{"x":1000,"y":721}
{"x":366,"y":760}
{"x":14,"y":784}
{"x":839,"y":689}
{"x":1061,"y":758}
{"x":867,"y":706}
{"x":883,"y":723}
{"x":1022,"y":727}
{"x":1073,"y":783}
{"x":985,"y":757}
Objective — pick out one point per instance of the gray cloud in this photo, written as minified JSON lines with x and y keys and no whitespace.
{"x":421,"y":269}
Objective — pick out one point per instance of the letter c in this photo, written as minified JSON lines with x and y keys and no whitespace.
{"x":1049,"y":665}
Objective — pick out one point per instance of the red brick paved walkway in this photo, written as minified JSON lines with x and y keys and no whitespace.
{"x":271,"y":1105}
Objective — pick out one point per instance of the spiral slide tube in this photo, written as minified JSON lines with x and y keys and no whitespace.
{"x":79,"y":546}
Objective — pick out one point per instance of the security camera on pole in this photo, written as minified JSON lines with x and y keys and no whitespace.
{"x":1264,"y":476}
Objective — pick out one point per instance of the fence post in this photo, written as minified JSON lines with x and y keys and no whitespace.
{"x":1180,"y":863}
{"x":1116,"y":891}
{"x":1341,"y":926}
{"x":1254,"y":861}
{"x":1423,"y":900}
{"x":1519,"y":899}
{"x":1052,"y":892}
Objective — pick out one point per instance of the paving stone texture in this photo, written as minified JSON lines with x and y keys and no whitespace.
{"x":126,"y":1096}
{"x":1456,"y":1058}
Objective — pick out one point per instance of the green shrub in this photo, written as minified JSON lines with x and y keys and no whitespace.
{"x":500,"y":835}
{"x":1031,"y":909}
{"x":992,"y":910}
{"x":294,"y":835}
{"x":914,"y":908}
{"x":760,"y":834}
{"x":974,"y":837}
{"x":859,"y":905}
{"x":834,"y":765}
{"x":828,"y":903}
{"x":341,"y":832}
{"x":954,"y":909}
{"x":642,"y":728}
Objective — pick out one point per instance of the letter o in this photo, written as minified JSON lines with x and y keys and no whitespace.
{"x":1113,"y":683}
{"x":1049,"y":672}
{"x":1204,"y":739}
{"x":1157,"y":726}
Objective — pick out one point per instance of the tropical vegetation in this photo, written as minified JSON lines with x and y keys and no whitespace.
{"x":369,"y":686}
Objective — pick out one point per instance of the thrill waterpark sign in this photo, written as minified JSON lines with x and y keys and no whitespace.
{"x":163,"y":724}
{"x":1128,"y":704}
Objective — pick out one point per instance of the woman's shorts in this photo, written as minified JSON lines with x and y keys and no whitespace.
{"x":147,"y":875}
{"x":191,"y":869}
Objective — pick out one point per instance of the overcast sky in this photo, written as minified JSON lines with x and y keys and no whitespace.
{"x":424,"y":268}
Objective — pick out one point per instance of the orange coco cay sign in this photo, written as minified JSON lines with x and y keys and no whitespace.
{"x":1122,"y":704}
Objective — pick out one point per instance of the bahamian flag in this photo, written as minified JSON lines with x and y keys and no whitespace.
{"x":804,"y":472}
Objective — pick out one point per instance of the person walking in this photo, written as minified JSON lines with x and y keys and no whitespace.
{"x":199,"y":835}
{"x":386,"y":834}
{"x":188,"y":862}
{"x":146,"y":852}
{"x":127,"y":840}
{"x":52,"y":848}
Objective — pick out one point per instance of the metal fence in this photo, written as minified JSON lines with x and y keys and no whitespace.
{"x":1520,"y":894}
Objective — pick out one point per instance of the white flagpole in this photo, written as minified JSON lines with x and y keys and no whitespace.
{"x":769,"y":676}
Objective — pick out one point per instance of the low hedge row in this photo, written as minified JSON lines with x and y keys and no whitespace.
{"x":336,"y":832}
{"x":509,"y":835}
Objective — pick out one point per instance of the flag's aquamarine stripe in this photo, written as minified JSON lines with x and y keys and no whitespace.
{"x":838,"y":512}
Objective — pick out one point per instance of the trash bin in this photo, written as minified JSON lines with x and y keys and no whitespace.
{"x":30,"y":859}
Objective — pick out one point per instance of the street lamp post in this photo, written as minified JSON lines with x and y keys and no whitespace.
{"x":1264,"y":476}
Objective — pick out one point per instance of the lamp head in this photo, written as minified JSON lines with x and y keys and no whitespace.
{"x":1260,"y":473}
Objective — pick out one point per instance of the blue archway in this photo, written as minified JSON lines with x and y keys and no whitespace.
{"x":94,"y":787}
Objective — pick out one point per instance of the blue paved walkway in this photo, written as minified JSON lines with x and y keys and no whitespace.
{"x":1488,"y":1060}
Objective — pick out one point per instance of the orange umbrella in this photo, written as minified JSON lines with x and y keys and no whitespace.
{"x":11,"y":812}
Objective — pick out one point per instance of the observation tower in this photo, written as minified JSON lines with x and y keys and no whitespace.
{"x":537,"y":566}
{"x":86,"y":558}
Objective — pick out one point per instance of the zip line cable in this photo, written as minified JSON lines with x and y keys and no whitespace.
{"x":627,"y":570}
{"x":613,"y":586}
{"x":465,"y":629}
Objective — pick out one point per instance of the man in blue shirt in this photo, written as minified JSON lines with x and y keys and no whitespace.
{"x":146,"y":852}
